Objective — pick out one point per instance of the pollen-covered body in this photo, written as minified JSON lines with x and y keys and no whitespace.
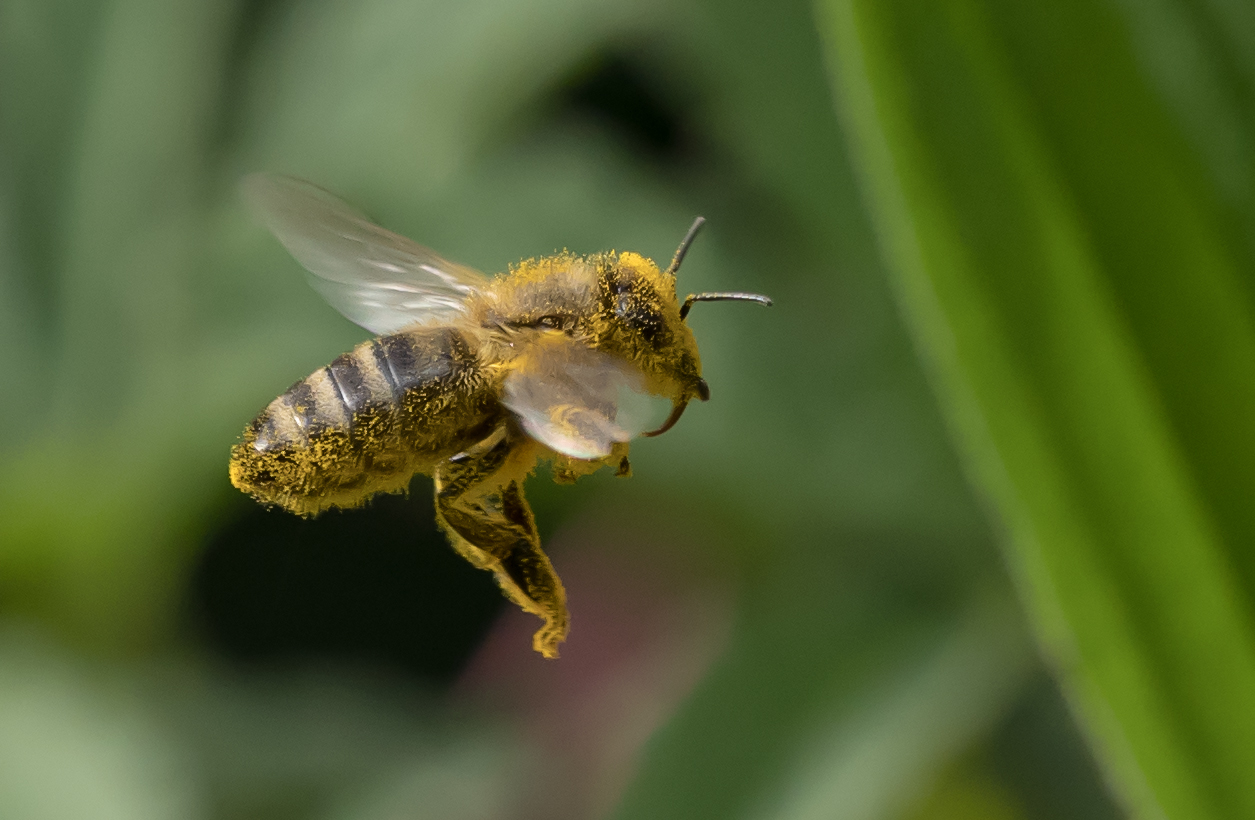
{"x":366,"y":423}
{"x":402,"y":403}
{"x":470,"y":380}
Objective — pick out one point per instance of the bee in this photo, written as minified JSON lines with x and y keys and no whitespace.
{"x":472,"y":380}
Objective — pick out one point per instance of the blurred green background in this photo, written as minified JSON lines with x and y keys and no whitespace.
{"x":964,"y":532}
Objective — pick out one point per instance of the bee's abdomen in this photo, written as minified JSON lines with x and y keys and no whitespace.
{"x":366,"y":422}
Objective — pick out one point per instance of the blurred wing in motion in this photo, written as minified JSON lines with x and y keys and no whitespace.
{"x":376,"y":278}
{"x":576,"y":400}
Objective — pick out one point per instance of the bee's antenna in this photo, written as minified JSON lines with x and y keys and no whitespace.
{"x":684,"y":245}
{"x":722,"y":296}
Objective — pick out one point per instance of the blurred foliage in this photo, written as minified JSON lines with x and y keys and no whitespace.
{"x":1065,"y":194}
{"x":797,"y":588}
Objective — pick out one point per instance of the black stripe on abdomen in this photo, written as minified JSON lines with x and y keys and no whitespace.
{"x":419,"y":360}
{"x":345,"y":374}
{"x":386,"y":369}
{"x":300,"y":400}
{"x":265,"y":431}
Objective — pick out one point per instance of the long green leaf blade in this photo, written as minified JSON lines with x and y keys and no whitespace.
{"x":1075,"y":282}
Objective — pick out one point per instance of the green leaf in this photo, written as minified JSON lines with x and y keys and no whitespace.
{"x":1077,"y":280}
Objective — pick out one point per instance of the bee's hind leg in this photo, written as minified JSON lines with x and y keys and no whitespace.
{"x":482,"y":509}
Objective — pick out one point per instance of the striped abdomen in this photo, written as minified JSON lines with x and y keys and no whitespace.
{"x":367,"y":422}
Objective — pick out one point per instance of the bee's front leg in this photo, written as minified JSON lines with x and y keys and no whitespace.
{"x":567,"y":470}
{"x":480,"y":505}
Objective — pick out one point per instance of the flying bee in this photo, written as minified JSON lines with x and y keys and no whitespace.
{"x":469,"y":379}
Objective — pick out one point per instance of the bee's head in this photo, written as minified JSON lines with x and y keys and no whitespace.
{"x":639,"y":317}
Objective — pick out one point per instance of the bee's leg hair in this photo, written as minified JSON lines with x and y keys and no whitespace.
{"x":490,"y":524}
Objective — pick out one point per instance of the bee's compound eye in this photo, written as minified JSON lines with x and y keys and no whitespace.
{"x":624,"y":297}
{"x":639,"y":315}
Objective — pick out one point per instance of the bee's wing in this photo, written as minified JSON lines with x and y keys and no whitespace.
{"x":376,"y":278}
{"x":576,"y":400}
